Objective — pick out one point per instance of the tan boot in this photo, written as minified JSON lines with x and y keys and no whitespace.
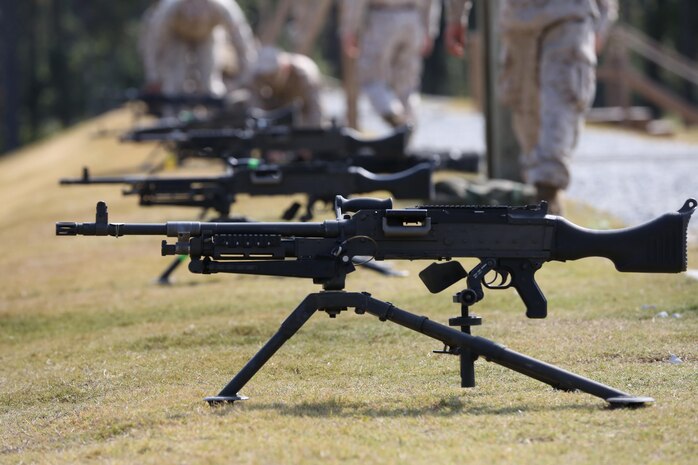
{"x":550,"y":194}
{"x":394,"y":120}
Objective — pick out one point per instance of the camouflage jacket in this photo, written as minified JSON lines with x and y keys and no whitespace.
{"x":538,"y":14}
{"x":194,"y":21}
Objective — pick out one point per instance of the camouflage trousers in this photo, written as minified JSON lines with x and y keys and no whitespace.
{"x":548,"y":79}
{"x":196,"y":67}
{"x":390,"y":64}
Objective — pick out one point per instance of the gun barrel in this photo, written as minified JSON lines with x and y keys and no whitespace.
{"x":195,"y":228}
{"x":66,"y":228}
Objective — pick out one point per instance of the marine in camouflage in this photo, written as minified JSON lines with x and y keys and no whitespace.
{"x":394,"y":34}
{"x":281,"y":79}
{"x":184,"y":45}
{"x":547,"y":77}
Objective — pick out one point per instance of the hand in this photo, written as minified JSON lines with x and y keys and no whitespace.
{"x":152,"y":88}
{"x":350,"y":45}
{"x":427,"y":47}
{"x":600,"y":43}
{"x":455,"y":39}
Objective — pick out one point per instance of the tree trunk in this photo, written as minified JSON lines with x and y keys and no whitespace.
{"x":58,"y":62}
{"x":9,"y":19}
{"x":687,"y":43}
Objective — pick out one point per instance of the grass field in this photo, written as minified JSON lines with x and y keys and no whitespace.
{"x":98,"y":365}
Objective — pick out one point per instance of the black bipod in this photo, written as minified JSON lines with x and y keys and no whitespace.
{"x":164,"y":278}
{"x":464,"y":344}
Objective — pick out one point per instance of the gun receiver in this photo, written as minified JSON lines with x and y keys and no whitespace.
{"x":512,"y":242}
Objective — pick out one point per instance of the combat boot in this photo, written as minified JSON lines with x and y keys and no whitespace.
{"x":550,"y":194}
{"x":394,"y":120}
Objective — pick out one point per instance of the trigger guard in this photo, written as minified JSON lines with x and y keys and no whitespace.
{"x":505,"y":281}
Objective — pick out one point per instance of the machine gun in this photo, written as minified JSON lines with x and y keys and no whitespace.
{"x":335,"y":142}
{"x":383,"y":154}
{"x":511,"y":242}
{"x":238,"y":117}
{"x":319,"y":181}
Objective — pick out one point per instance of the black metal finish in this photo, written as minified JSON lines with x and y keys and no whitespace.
{"x":385,"y":311}
{"x":511,"y":244}
{"x":466,"y":355}
{"x":319,"y":181}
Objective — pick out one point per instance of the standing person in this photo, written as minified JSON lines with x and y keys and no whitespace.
{"x":308,"y":17}
{"x":548,"y":78}
{"x":185,"y":45}
{"x":395,"y":36}
{"x":281,"y":79}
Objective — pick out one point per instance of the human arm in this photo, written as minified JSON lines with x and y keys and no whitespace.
{"x":608,"y":14}
{"x":240,"y":34}
{"x":457,"y":25}
{"x":156,"y":37}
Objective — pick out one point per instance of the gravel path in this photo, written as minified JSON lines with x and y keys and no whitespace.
{"x":634,"y":177}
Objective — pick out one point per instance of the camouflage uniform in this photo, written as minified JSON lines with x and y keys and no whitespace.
{"x":548,"y":76}
{"x":281,"y":79}
{"x":307,"y":18}
{"x":185,"y":49}
{"x":390,"y":60}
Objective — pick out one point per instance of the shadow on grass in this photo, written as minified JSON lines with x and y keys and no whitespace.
{"x":445,"y":407}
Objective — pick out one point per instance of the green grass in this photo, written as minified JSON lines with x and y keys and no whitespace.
{"x":98,"y":365}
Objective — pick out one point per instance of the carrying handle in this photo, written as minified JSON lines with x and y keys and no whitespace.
{"x":343,"y":205}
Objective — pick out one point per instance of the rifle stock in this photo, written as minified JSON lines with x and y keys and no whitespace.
{"x":658,"y":246}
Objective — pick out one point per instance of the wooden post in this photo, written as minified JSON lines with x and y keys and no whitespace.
{"x":350,"y":79}
{"x":476,"y":73}
{"x":502,"y":148}
{"x":9,"y":33}
{"x":351,"y":89}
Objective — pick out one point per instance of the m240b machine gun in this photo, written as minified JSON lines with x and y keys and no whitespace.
{"x":383,"y":154}
{"x":335,"y":142}
{"x":513,"y":242}
{"x":319,"y":181}
{"x":241,"y":117}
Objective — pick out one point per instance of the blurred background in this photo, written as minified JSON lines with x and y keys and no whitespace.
{"x":65,"y":60}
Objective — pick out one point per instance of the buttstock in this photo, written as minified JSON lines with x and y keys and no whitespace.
{"x":659,"y":246}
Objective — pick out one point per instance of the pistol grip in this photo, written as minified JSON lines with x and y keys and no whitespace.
{"x":524,"y":281}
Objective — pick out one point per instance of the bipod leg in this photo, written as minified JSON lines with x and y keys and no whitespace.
{"x":493,"y":352}
{"x":381,"y":268}
{"x":164,"y":278}
{"x":289,"y":327}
